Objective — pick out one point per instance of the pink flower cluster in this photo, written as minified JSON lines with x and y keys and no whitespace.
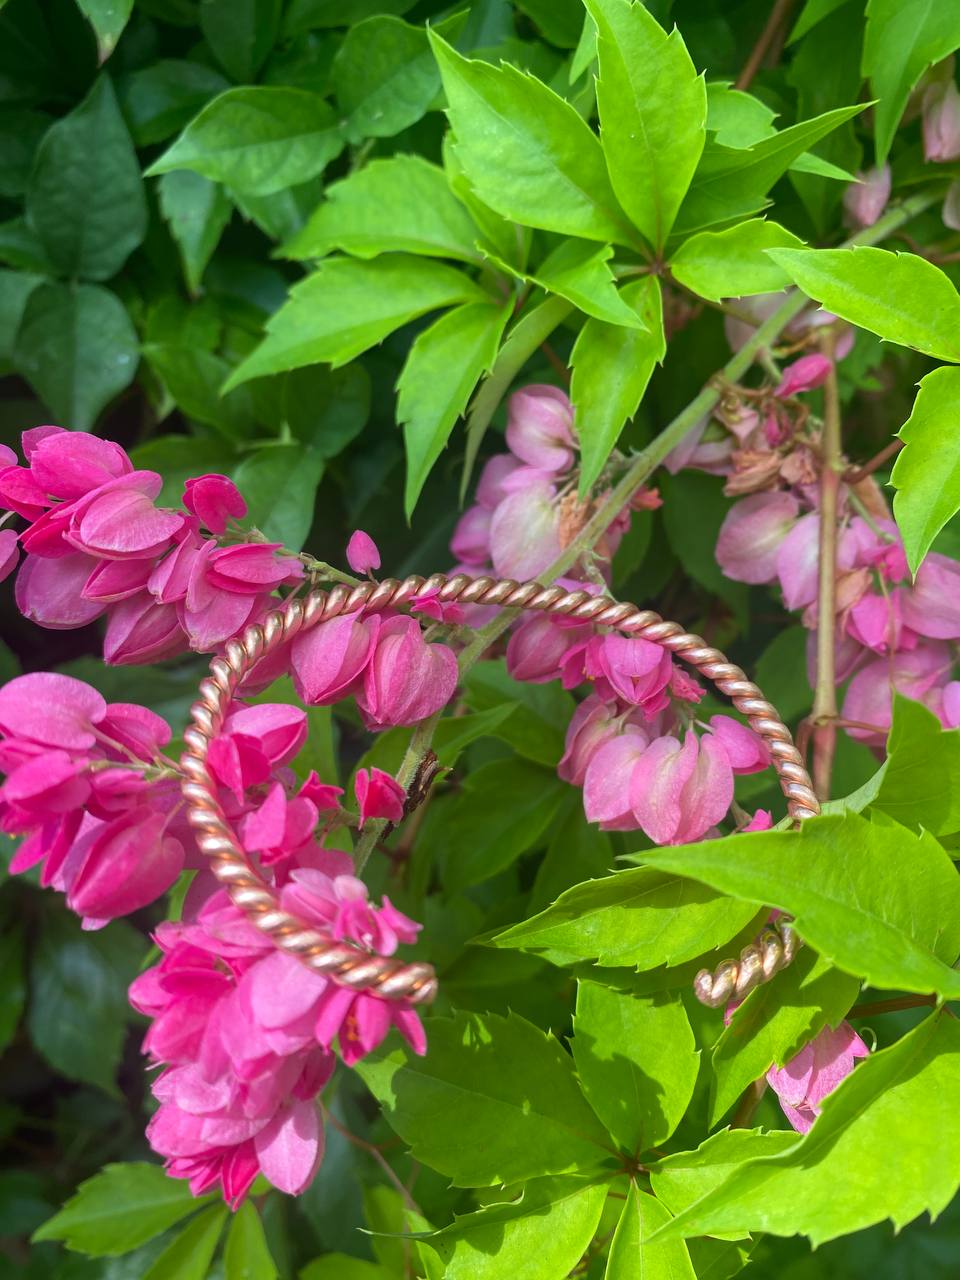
{"x":245,"y":1032}
{"x":632,"y":743}
{"x":98,"y":543}
{"x":89,"y":789}
{"x":802,"y":1084}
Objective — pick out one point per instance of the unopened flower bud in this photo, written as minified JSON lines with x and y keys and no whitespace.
{"x":941,"y":122}
{"x":866,"y":200}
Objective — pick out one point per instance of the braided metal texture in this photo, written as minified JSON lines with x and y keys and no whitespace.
{"x":353,"y":966}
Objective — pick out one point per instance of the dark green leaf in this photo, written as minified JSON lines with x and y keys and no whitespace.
{"x":188,"y":1256}
{"x":633,"y":1257}
{"x":108,"y":19}
{"x":347,"y":306}
{"x":194,"y":378}
{"x":305,"y":15}
{"x":281,"y":214}
{"x":160,"y":99}
{"x":85,"y":199}
{"x":494,"y":1100}
{"x":653,"y":108}
{"x":279,"y":483}
{"x":241,"y":33}
{"x":926,"y":474}
{"x":526,"y":151}
{"x":637,"y":1061}
{"x":258,"y":140}
{"x":197,"y":211}
{"x":121,"y":1208}
{"x":327,"y":408}
{"x":445,"y":363}
{"x":536,"y":729}
{"x":77,"y":347}
{"x":13,"y":992}
{"x":611,"y":368}
{"x":15,"y":290}
{"x":20,"y":134}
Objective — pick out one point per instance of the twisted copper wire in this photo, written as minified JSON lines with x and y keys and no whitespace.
{"x":351,"y":965}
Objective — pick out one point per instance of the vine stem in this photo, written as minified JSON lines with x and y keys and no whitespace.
{"x":824,"y":713}
{"x":642,"y":467}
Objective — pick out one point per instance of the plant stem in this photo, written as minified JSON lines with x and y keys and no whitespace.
{"x":891,"y":1006}
{"x":855,"y":474}
{"x":778,"y":15}
{"x":824,"y":713}
{"x":642,"y":467}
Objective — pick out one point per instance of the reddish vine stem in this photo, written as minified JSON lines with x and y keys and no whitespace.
{"x":824,"y":713}
{"x":778,"y":16}
{"x":891,"y":1006}
{"x":853,"y":475}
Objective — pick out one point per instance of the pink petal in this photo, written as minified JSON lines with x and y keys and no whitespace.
{"x":290,"y":1147}
{"x":52,"y":709}
{"x":362,"y":552}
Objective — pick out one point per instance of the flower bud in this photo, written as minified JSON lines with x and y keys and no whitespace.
{"x":330,"y":659}
{"x":214,"y":499}
{"x":866,"y":200}
{"x":592,"y":724}
{"x":406,"y":679}
{"x":379,"y":795}
{"x":362,"y":552}
{"x":941,"y":122}
{"x":746,"y":750}
{"x":804,"y":375}
{"x":538,"y":647}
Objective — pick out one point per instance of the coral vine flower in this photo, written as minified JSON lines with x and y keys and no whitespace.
{"x":214,"y":500}
{"x":362,"y":552}
{"x":803,"y":1083}
{"x":379,"y":795}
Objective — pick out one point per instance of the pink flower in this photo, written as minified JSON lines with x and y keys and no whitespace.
{"x":876,"y":622}
{"x":254,"y":741}
{"x":752,"y":533}
{"x":950,"y":706}
{"x":525,"y":532}
{"x":330,"y":659}
{"x":746,"y":750}
{"x":119,"y":519}
{"x":865,"y":201}
{"x":51,"y":709}
{"x":496,"y":472}
{"x":9,"y":552}
{"x":126,"y":864}
{"x":471,"y":538}
{"x":798,"y":560}
{"x":429,"y":605}
{"x":917,"y":674}
{"x":363,"y":555}
{"x":538,"y":647}
{"x":540,"y":428}
{"x":762,"y":820}
{"x":804,"y":375}
{"x":608,"y":778}
{"x":50,"y":592}
{"x":941,"y":122}
{"x":932,"y":606}
{"x":379,"y":795}
{"x":69,"y":464}
{"x":140,"y":630}
{"x":804,"y":1082}
{"x":634,"y":670}
{"x":214,"y":500}
{"x":678,"y":793}
{"x":405,"y":679}
{"x":592,"y":724}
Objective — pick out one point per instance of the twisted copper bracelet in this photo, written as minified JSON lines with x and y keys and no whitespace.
{"x":351,"y":965}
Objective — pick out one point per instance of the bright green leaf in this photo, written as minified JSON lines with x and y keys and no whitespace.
{"x":738,"y":119}
{"x":843,"y":879}
{"x":529,"y":155}
{"x":899,"y":296}
{"x":637,"y":1061}
{"x":640,"y":917}
{"x":85,"y":200}
{"x":495,"y":1100}
{"x":732,"y":263}
{"x":920,"y":787}
{"x":241,"y":33}
{"x":926,"y":474}
{"x":279,"y":483}
{"x":403,"y":204}
{"x":445,"y":363}
{"x":611,"y":368}
{"x":346,"y":307}
{"x":896,"y":1111}
{"x":197,"y":210}
{"x":688,"y":1176}
{"x":120,"y":1208}
{"x":540,"y":1236}
{"x":633,"y":1257}
{"x":246,"y":1255}
{"x":385,"y":76}
{"x":108,"y":19}
{"x":577,"y":270}
{"x":77,"y":348}
{"x":188,"y":1256}
{"x":774,"y":1023}
{"x":258,"y":139}
{"x":903,"y":38}
{"x":341,"y":1266}
{"x":653,"y":109}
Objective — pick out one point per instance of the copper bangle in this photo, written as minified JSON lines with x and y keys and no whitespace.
{"x":351,"y":965}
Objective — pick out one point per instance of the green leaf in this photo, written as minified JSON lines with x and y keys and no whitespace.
{"x":689,"y":1176}
{"x":639,"y":917}
{"x":385,"y":76}
{"x":527,"y":334}
{"x":633,"y":1257}
{"x":814,"y":12}
{"x":495,"y":1100}
{"x":559,"y":20}
{"x":653,"y":108}
{"x":21,"y":131}
{"x":13,"y":993}
{"x":120,"y":1208}
{"x":731,"y":182}
{"x":193,"y":378}
{"x":327,"y":408}
{"x":304,"y":15}
{"x":899,"y":296}
{"x":240,"y":33}
{"x":246,"y":1256}
{"x":611,"y":368}
{"x":926,"y":474}
{"x":161,"y":98}
{"x":15,"y":290}
{"x":502,"y":811}
{"x":197,"y":210}
{"x":77,"y":348}
{"x":737,"y":119}
{"x":920,"y":787}
{"x":733,"y":263}
{"x":536,"y":728}
{"x":258,"y":140}
{"x":341,"y":1266}
{"x":189,"y":1255}
{"x":844,"y":881}
{"x":529,"y":155}
{"x":78,"y":997}
{"x":637,"y":1061}
{"x":901,"y":41}
{"x":108,"y":19}
{"x":279,"y":483}
{"x":774,"y":1022}
{"x":445,"y":363}
{"x":177,"y":460}
{"x":578,"y":271}
{"x":85,"y":200}
{"x":345,"y":307}
{"x":403,"y":204}
{"x":540,"y":1236}
{"x":283,"y":213}
{"x":897,"y":1110}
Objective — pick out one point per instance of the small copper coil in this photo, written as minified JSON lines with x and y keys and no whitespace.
{"x":353,"y":966}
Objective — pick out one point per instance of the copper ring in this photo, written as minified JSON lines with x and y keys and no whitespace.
{"x":351,"y":965}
